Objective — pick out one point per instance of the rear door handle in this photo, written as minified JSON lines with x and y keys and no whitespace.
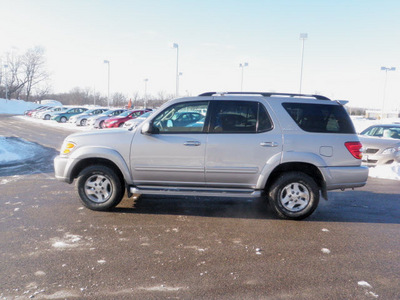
{"x":192,"y":143}
{"x":269,"y":144}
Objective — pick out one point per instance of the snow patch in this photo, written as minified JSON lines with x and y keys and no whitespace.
{"x":68,"y":241}
{"x":161,"y":288}
{"x":325,"y":251}
{"x":364,"y":284}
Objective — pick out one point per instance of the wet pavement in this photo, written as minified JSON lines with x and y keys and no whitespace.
{"x":51,"y":247}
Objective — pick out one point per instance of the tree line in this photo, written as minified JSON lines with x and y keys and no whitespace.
{"x":24,"y":76}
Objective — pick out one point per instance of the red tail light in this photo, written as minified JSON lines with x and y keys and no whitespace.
{"x":355,"y":148}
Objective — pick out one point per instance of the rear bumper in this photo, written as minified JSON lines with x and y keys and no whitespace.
{"x":345,"y":177}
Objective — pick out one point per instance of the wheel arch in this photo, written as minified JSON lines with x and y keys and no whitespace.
{"x":306,"y":168}
{"x":97,"y":161}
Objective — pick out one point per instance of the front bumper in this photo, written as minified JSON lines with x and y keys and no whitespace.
{"x":62,"y":169}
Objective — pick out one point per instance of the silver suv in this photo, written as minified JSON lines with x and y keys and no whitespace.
{"x":287,"y":148}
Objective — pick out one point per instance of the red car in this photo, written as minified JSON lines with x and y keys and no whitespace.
{"x":119,"y":120}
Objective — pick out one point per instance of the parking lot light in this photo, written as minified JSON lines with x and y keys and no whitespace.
{"x":242,"y":65}
{"x":386,"y":69}
{"x":108,"y":93}
{"x":303,"y":37}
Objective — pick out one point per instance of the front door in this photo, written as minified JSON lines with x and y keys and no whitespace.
{"x":173,"y":154}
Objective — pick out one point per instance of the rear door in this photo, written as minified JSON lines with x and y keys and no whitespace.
{"x":241,"y":141}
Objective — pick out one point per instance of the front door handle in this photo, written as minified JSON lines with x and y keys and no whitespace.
{"x":269,"y":144}
{"x":192,"y":143}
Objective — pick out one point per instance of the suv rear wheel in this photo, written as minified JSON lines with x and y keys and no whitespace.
{"x":99,"y":188}
{"x":294,"y":196}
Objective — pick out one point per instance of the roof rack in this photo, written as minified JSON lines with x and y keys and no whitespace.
{"x":318,"y":97}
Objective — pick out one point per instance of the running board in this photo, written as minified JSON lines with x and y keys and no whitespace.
{"x":207,"y":192}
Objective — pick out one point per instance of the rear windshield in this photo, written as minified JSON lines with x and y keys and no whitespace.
{"x":320,"y":117}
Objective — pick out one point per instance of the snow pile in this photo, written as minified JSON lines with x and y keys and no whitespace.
{"x":17,"y":107}
{"x":391,"y":171}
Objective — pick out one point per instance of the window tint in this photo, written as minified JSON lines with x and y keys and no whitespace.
{"x":264,"y":121}
{"x":239,"y":117}
{"x":182,"y":117}
{"x":320,"y":117}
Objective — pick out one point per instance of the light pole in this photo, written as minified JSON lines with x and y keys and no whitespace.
{"x":145,"y":92}
{"x":384,"y":88}
{"x":5,"y":75}
{"x":108,"y":94}
{"x":176,"y":46}
{"x":243,"y":65}
{"x":303,"y":37}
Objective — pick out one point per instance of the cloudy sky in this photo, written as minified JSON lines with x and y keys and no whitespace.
{"x":348,"y":42}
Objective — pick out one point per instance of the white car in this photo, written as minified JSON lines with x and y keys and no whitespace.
{"x":47,"y":114}
{"x":135,"y":122}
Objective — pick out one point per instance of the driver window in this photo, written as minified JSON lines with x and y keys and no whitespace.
{"x":182,"y":118}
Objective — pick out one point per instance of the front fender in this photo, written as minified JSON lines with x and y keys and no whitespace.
{"x":93,"y":152}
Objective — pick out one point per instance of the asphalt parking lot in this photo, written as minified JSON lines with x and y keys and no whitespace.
{"x":188,"y":248}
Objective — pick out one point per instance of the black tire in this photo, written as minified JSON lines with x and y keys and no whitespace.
{"x":47,"y":117}
{"x":293,"y":196}
{"x":101,"y":125}
{"x":99,"y":188}
{"x":83,"y":122}
{"x":63,"y":119}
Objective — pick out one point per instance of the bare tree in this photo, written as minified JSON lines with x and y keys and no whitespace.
{"x":15,"y":79}
{"x":33,"y":62}
{"x":119,"y":99}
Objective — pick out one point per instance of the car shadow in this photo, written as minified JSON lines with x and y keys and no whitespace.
{"x":352,"y":206}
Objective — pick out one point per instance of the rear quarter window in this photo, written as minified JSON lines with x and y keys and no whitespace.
{"x":320,"y":117}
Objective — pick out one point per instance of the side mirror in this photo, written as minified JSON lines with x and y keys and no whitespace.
{"x":146,"y":128}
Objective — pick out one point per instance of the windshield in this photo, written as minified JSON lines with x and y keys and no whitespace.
{"x":144,"y":116}
{"x":392,"y":132}
{"x":125,"y":114}
{"x":107,"y":112}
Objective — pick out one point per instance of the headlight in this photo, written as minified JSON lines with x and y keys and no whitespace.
{"x":67,"y":148}
{"x":391,"y":150}
{"x":113,"y":122}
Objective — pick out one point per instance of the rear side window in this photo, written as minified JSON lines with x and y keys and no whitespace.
{"x":239,"y":117}
{"x":320,"y":117}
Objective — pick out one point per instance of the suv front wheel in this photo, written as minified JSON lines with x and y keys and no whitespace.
{"x":294,"y":196}
{"x":99,"y":188}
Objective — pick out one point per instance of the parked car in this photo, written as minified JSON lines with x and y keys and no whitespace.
{"x":98,"y":121}
{"x":119,"y":120}
{"x":287,"y":148}
{"x":63,"y":117}
{"x":135,"y":122}
{"x":381,"y":144}
{"x":48,"y":113}
{"x":37,"y":109}
{"x":81,"y":119}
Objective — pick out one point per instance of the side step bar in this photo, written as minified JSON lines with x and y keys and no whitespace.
{"x":183,"y":191}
